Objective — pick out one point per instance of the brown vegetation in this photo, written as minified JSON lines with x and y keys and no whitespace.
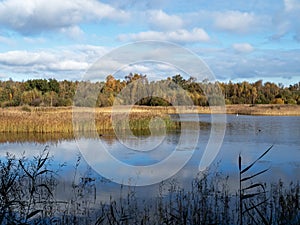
{"x":59,"y":120}
{"x":266,"y":110}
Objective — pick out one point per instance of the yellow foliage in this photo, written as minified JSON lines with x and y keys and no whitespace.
{"x":278,"y":101}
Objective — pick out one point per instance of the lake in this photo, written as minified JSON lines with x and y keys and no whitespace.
{"x":249,"y":136}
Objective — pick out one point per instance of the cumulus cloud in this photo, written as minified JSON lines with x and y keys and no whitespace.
{"x":34,"y":16}
{"x":292,"y":15}
{"x":235,"y":21}
{"x":60,"y":62}
{"x":231,"y":21}
{"x":141,"y":5}
{"x":180,"y":36}
{"x":265,"y":64}
{"x":137,"y":68}
{"x":153,"y":70}
{"x":160,"y":20}
{"x":73,"y":32}
{"x":40,"y":61}
{"x":243,"y":47}
{"x":68,"y":65}
{"x":73,"y":62}
{"x":286,"y":21}
{"x":291,"y":5}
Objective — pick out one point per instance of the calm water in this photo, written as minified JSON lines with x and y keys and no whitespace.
{"x":245,"y":135}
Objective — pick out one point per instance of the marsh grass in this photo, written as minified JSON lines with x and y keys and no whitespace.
{"x":28,"y":187}
{"x":254,"y":207}
{"x":35,"y":121}
{"x":264,"y":109}
{"x":60,"y":120}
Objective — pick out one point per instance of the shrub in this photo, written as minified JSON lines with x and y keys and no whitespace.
{"x":26,"y":108}
{"x":278,"y":101}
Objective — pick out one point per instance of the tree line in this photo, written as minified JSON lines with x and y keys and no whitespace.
{"x":137,"y":89}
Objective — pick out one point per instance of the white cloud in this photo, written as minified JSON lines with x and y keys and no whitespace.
{"x":60,"y":62}
{"x":243,"y":47}
{"x":160,"y":20}
{"x":235,"y":21}
{"x":153,"y":70}
{"x":24,"y":61}
{"x":288,"y":21}
{"x":232,"y":21}
{"x":73,"y":32}
{"x":265,"y":64}
{"x":137,"y":68}
{"x":181,"y":36}
{"x":71,"y":65}
{"x":3,"y":76}
{"x":291,"y":5}
{"x":141,"y":5}
{"x":34,"y":16}
{"x":24,"y":58}
{"x":89,"y":52}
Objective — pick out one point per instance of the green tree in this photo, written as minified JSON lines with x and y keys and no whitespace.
{"x":53,"y":85}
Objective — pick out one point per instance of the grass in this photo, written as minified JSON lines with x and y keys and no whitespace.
{"x":60,"y":120}
{"x":247,"y":191}
{"x":35,"y":121}
{"x":50,"y":120}
{"x":265,"y":110}
{"x":28,"y":197}
{"x":26,"y":189}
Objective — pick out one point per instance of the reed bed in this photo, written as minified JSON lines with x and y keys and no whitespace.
{"x":264,"y":109}
{"x":60,"y":120}
{"x":246,"y":109}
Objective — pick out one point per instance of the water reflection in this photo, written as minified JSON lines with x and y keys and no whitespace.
{"x":245,"y":135}
{"x":45,"y":138}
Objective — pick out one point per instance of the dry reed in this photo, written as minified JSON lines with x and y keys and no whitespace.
{"x":60,"y":120}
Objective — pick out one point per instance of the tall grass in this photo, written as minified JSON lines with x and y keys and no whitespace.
{"x":28,"y":187}
{"x":248,"y":191}
{"x":60,"y":120}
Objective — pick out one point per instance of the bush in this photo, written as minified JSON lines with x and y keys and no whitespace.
{"x":278,"y":101}
{"x":291,"y":101}
{"x":26,"y":108}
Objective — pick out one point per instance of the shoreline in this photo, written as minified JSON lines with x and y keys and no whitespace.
{"x":60,"y":120}
{"x":241,"y":109}
{"x":264,"y":110}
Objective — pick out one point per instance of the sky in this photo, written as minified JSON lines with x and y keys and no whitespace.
{"x":237,"y":40}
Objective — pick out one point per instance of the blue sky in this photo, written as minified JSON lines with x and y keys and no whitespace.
{"x":238,"y":40}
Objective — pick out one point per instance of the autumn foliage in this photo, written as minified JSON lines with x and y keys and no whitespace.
{"x":137,"y":89}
